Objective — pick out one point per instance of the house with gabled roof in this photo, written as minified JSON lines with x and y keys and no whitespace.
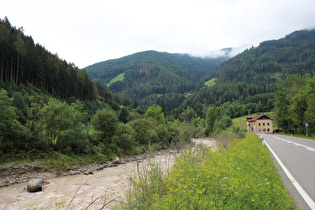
{"x":259,"y":123}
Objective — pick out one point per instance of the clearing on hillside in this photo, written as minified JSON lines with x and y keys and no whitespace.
{"x":119,"y":77}
{"x":211,"y":82}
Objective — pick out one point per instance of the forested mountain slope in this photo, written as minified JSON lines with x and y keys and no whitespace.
{"x":24,"y":62}
{"x":143,"y":75}
{"x":49,"y":111}
{"x":271,"y":60}
{"x":249,"y":80}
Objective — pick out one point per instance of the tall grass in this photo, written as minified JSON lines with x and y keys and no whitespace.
{"x":238,"y":176}
{"x":143,"y":186}
{"x":148,"y":180}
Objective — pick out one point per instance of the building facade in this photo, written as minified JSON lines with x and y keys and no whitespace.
{"x":259,"y":123}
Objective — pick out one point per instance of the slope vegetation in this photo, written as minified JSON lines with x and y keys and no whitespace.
{"x":272,"y":60}
{"x":150,"y":74}
{"x":249,"y":80}
{"x":24,"y":62}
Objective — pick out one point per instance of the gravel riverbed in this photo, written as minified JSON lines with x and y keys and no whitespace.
{"x":79,"y":186}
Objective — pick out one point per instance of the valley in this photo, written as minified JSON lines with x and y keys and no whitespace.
{"x":65,"y":117}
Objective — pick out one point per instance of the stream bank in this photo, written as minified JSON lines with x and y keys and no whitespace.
{"x":102,"y":187}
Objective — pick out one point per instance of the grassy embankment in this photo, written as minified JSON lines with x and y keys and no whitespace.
{"x":240,"y":176}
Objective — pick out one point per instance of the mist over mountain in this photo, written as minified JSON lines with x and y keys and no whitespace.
{"x":250,"y":79}
{"x":229,"y":52}
{"x":271,"y":60}
{"x":248,"y":76}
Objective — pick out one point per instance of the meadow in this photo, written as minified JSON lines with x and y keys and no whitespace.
{"x":211,"y":82}
{"x":119,"y":77}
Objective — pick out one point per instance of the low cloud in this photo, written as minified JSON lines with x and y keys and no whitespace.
{"x":226,"y":52}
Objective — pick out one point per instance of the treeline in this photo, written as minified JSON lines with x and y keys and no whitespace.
{"x":295,"y":104}
{"x":23,"y":61}
{"x":34,"y":124}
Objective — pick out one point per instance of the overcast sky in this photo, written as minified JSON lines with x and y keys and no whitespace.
{"x":87,"y":32}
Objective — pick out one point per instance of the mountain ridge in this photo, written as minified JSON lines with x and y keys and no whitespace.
{"x":154,"y":73}
{"x":150,"y":57}
{"x":251,"y":76}
{"x":292,"y":54}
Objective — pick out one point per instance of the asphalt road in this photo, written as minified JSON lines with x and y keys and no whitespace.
{"x":298,"y":156}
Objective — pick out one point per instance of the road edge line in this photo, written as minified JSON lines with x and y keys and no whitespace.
{"x":298,"y":187}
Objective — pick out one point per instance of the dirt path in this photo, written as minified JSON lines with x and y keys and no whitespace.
{"x":108,"y":184}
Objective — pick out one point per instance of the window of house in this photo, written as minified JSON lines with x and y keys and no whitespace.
{"x":263,"y":124}
{"x":259,"y":124}
{"x":264,"y":129}
{"x":268,"y":128}
{"x":248,"y":124}
{"x":268,"y":124}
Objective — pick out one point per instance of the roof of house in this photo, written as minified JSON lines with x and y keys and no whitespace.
{"x":257,"y":117}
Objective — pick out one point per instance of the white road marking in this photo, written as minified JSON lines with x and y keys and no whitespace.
{"x":310,"y":149}
{"x":296,"y":144}
{"x":304,"y":195}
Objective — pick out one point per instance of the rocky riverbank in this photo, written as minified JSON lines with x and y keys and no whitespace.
{"x":100,"y":184}
{"x":22,"y":173}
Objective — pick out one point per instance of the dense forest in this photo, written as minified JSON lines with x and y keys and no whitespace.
{"x":35,"y":125}
{"x":295,"y":104}
{"x":150,"y":77}
{"x":272,"y":60}
{"x":23,"y":62}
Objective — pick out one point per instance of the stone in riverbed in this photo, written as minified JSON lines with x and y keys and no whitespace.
{"x":88,"y":173}
{"x":36,"y":185}
{"x":74,"y":172}
{"x":116,"y":161}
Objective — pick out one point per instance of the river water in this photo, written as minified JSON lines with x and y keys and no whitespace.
{"x":103,"y":189}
